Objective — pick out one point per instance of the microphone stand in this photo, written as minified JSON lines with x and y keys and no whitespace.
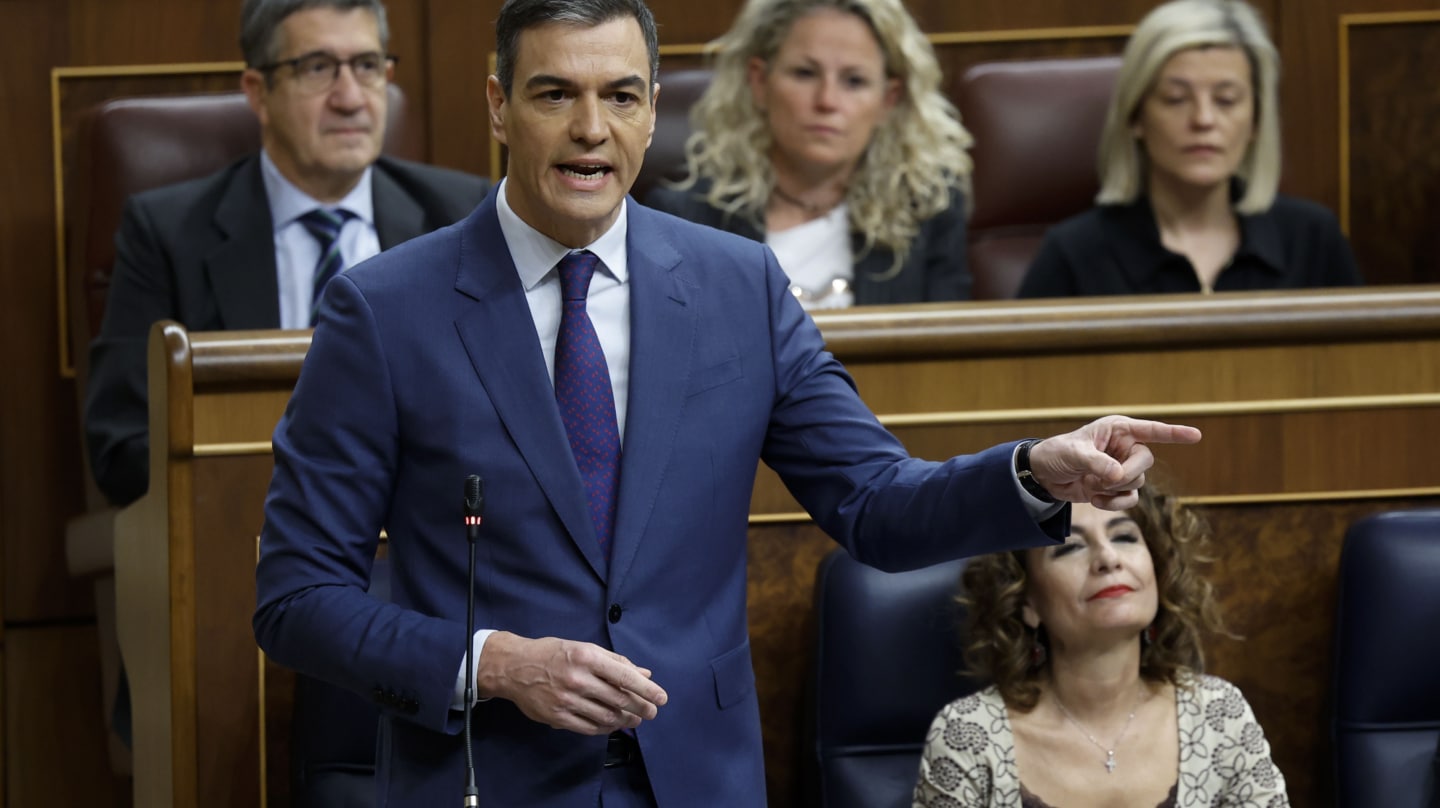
{"x":474,"y":514}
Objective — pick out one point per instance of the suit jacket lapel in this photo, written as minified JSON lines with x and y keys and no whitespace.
{"x":241,"y":267}
{"x":663,"y":322}
{"x":398,"y":217}
{"x":515,"y":378}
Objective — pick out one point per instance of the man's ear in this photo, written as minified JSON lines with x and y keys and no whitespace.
{"x":495,"y":94}
{"x":654,"y":98}
{"x":256,"y":89}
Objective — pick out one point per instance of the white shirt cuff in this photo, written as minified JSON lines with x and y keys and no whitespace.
{"x":477,"y":643}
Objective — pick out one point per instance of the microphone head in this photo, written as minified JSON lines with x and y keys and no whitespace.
{"x":474,"y":496}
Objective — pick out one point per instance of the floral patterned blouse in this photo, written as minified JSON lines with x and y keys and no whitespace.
{"x":969,"y":759}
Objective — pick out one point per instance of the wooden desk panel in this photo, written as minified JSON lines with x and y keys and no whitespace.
{"x":1311,"y":404}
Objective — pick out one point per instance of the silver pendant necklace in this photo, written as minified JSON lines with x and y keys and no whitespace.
{"x":1090,"y":736}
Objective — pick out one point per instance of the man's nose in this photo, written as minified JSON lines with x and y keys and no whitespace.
{"x":346,"y":93}
{"x":587,"y":124}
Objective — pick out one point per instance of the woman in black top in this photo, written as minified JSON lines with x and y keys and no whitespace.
{"x":1189,"y":166}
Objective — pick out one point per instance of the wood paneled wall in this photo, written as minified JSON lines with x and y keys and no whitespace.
{"x":1370,"y":159}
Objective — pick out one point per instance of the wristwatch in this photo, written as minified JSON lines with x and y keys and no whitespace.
{"x":1026,"y":476}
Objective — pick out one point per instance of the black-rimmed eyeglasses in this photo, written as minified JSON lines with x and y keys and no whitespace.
{"x":318,"y":72}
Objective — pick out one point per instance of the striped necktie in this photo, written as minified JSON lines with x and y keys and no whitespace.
{"x":325,"y":226}
{"x":585,"y":397}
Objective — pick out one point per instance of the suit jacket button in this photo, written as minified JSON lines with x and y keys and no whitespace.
{"x":615,"y":612}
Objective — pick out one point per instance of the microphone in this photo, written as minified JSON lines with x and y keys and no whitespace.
{"x":474,"y":515}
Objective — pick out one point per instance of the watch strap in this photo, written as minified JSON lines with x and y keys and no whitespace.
{"x":1026,"y":476}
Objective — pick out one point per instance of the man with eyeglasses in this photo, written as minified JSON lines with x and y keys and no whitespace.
{"x":253,"y":245}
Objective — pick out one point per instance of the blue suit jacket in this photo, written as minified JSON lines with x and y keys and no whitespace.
{"x":426,"y":367}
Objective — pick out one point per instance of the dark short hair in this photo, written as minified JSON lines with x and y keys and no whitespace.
{"x":998,"y":643}
{"x":518,"y":15}
{"x":260,"y":24}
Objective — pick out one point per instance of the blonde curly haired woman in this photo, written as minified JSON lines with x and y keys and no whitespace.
{"x":824,"y":134}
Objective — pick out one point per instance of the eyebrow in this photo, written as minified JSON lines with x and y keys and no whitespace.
{"x":631,"y":82}
{"x":1219,"y":85}
{"x":1121,"y":520}
{"x":332,"y":54}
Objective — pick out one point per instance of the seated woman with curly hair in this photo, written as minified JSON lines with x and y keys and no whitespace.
{"x":824,"y":134}
{"x":1094,"y":650}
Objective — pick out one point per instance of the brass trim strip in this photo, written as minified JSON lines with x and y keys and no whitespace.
{"x":67,"y":367}
{"x":62,"y":296}
{"x":233,"y":449}
{"x":260,"y":704}
{"x":1346,"y":22}
{"x":779,"y":518}
{"x":1030,"y":34}
{"x":168,"y":69}
{"x":264,"y":773}
{"x":1344,"y":126}
{"x":958,"y":418}
{"x":1258,"y":407}
{"x":1388,"y":17}
{"x":1312,"y":496}
{"x":688,"y":49}
{"x":800,"y":517}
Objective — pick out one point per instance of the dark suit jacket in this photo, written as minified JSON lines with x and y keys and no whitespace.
{"x":202,"y":253}
{"x":934,"y":269}
{"x":393,"y":410}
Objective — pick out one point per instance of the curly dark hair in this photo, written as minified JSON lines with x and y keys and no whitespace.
{"x":998,"y":644}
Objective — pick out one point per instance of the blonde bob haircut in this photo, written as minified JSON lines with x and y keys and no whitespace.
{"x":914,"y":159}
{"x":1184,"y":25}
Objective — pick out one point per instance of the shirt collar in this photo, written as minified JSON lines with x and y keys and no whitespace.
{"x":1136,"y":239}
{"x":288,"y":202}
{"x":536,"y":254}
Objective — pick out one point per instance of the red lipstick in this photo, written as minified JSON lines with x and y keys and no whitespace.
{"x":1112,"y":592}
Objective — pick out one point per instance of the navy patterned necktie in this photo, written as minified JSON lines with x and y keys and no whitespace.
{"x":586,"y":398}
{"x":325,"y":226}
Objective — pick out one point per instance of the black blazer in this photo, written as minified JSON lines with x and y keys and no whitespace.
{"x":202,"y":253}
{"x":934,"y":269}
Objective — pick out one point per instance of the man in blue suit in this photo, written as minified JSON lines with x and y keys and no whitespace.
{"x":614,"y":662}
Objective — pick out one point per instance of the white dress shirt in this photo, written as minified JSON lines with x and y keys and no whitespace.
{"x":608,"y":304}
{"x":297,"y":252}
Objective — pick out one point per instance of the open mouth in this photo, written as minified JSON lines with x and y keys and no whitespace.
{"x":584,"y":172}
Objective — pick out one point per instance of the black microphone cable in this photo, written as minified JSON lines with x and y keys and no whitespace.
{"x":474,"y":515}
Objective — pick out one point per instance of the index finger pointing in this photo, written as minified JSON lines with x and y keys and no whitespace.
{"x":1161,"y":432}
